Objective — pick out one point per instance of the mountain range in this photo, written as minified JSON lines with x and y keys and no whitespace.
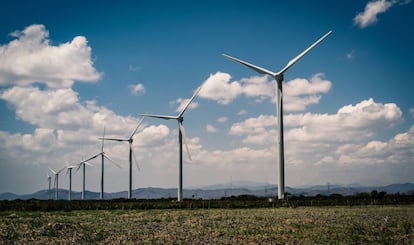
{"x":220,"y":190}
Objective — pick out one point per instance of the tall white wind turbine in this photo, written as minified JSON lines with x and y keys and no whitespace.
{"x":82,"y":164}
{"x":278,"y":76}
{"x":181,"y":136}
{"x":56,"y":182}
{"x":130,"y":140}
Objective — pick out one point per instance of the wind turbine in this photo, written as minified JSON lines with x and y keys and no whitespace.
{"x":278,"y":76}
{"x":49,"y":179}
{"x":103,"y":156}
{"x":56,"y":184}
{"x":181,"y":136}
{"x":69,"y":171}
{"x":82,"y":164}
{"x":130,"y":140}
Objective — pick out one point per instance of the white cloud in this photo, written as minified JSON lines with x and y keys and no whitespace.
{"x":300,"y":93}
{"x":137,"y":89}
{"x":372,"y":9}
{"x":152,"y":135}
{"x":211,"y":129}
{"x":397,"y":150}
{"x":222,"y":119}
{"x":257,"y":86}
{"x":352,"y":123}
{"x":412,"y":112}
{"x":31,"y":59}
{"x":182,"y":102}
{"x":219,"y":88}
{"x":242,"y":112}
{"x":253,"y":125}
{"x":47,"y":108}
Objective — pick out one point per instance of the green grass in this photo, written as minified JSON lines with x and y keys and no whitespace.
{"x":324,"y":225}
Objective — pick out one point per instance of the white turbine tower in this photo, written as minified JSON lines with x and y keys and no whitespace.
{"x":82,"y":164}
{"x":103,"y":156}
{"x":278,"y":76}
{"x":49,"y":179}
{"x":181,"y":136}
{"x":130,"y":140}
{"x":69,"y":171}
{"x":56,"y":182}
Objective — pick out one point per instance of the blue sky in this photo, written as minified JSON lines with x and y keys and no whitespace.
{"x":69,"y":68}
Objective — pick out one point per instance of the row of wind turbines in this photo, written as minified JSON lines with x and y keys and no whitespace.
{"x":278,"y":77}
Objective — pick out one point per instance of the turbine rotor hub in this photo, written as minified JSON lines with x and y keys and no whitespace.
{"x":279,"y":78}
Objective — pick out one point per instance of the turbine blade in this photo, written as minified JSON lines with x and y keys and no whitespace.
{"x":58,"y":172}
{"x":251,"y":66}
{"x":159,"y":116}
{"x":136,"y":128}
{"x":77,"y":169}
{"x":294,"y":60}
{"x":185,"y":140}
{"x":113,"y":139}
{"x":191,"y":99}
{"x":51,"y":170}
{"x":54,"y":182}
{"x":110,"y":159}
{"x":135,"y":159}
{"x":103,"y":140}
{"x":92,"y":157}
{"x":89,"y":164}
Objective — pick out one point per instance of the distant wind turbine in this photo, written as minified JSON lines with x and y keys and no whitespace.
{"x":278,"y":76}
{"x":49,"y":179}
{"x":103,"y":156}
{"x":181,"y":136}
{"x":82,"y":164}
{"x":130,"y":140}
{"x":56,"y":181}
{"x":69,"y":171}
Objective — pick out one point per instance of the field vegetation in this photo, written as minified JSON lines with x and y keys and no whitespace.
{"x":390,"y":224}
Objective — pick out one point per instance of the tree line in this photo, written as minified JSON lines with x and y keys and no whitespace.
{"x":242,"y":201}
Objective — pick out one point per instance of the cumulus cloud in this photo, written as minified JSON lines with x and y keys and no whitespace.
{"x":219,"y":88}
{"x":152,"y":135}
{"x":47,"y":108}
{"x":137,"y":89}
{"x":257,"y":86}
{"x":371,"y":11}
{"x":211,"y":129}
{"x":30,"y":58}
{"x":351,"y":123}
{"x":253,"y":125}
{"x":399,"y":149}
{"x":300,"y":93}
{"x":222,"y":119}
{"x":183,"y":102}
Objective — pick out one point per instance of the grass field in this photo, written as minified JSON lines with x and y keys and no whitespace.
{"x":320,"y":225}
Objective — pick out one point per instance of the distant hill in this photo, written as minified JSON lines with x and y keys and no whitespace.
{"x":219,"y":191}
